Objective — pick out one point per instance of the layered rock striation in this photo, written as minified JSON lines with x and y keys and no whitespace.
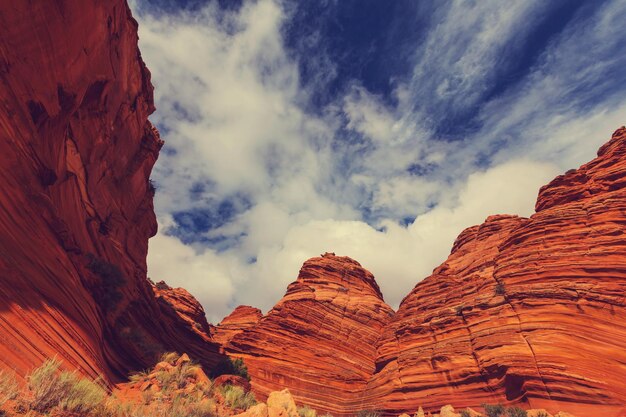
{"x":75,"y":203}
{"x":527,"y":311}
{"x":320,"y":339}
{"x":242,"y":318}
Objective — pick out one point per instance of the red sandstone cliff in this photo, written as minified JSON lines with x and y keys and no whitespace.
{"x":528,"y":311}
{"x":242,"y":318}
{"x":75,"y":203}
{"x":524,"y":311}
{"x":320,"y":339}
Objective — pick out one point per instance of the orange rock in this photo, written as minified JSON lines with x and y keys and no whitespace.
{"x":242,"y":318}
{"x":76,"y":203}
{"x":258,"y":410}
{"x":281,"y":404}
{"x":319,"y":340}
{"x":526,"y":311}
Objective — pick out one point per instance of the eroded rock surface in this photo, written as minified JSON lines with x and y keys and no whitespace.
{"x":75,"y":203}
{"x":320,"y":339}
{"x":526,"y":311}
{"x":242,"y":318}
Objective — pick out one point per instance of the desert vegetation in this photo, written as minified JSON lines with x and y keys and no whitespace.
{"x":110,"y":279}
{"x":498,"y":410}
{"x":175,"y":387}
{"x":231,"y":366}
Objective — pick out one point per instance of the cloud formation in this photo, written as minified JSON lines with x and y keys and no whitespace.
{"x":255,"y":178}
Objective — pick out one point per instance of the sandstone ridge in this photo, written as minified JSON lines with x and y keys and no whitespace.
{"x":76,"y":200}
{"x":525,"y":311}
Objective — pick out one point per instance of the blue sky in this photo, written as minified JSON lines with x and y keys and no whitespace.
{"x":373,"y":129}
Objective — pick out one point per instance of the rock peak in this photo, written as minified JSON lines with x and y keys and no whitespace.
{"x":335,"y":273}
{"x":243,"y":317}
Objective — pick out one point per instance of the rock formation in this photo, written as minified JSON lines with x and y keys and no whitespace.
{"x":76,"y":203}
{"x":242,"y":318}
{"x":526,"y":311}
{"x":530,"y":311}
{"x":320,"y":339}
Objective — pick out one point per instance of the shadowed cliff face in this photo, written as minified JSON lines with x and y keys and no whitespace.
{"x":75,"y":203}
{"x":524,"y":311}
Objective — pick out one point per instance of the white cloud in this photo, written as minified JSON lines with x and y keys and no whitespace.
{"x":206,"y":275}
{"x":234,"y":118}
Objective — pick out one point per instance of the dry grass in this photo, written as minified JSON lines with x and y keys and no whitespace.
{"x":9,"y":388}
{"x":236,"y":397}
{"x":50,"y":387}
{"x":170,"y":357}
{"x":307,"y":411}
{"x":181,"y":391}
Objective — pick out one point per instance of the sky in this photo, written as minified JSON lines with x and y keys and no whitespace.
{"x":373,"y":129}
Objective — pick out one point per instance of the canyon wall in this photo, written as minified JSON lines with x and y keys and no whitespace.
{"x":75,"y":203}
{"x":320,"y":339}
{"x":527,"y":311}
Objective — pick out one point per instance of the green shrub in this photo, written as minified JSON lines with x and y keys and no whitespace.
{"x":368,"y":413}
{"x":492,"y":410}
{"x":138,"y":376}
{"x":51,"y":387}
{"x":46,"y":387}
{"x":465,"y":413}
{"x":107,"y":293}
{"x":236,"y":397}
{"x":83,"y":395}
{"x":229,"y":366}
{"x":307,"y":411}
{"x":516,"y":412}
{"x":500,"y":289}
{"x":9,"y":388}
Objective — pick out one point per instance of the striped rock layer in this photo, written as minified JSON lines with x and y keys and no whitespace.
{"x":524,"y":311}
{"x":75,"y":202}
{"x":527,"y":311}
{"x":320,"y":339}
{"x":242,"y":318}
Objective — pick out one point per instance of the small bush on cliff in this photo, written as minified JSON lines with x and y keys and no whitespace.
{"x":368,"y":413}
{"x":236,"y":397}
{"x":228,"y":366}
{"x":50,"y":387}
{"x":516,"y":412}
{"x":307,"y":411}
{"x":107,"y":294}
{"x":465,"y":413}
{"x":9,"y":388}
{"x":500,"y":289}
{"x":152,"y":188}
{"x":494,"y":410}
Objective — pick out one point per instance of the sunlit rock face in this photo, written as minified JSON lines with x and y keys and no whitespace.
{"x":242,"y":318}
{"x":526,"y":311}
{"x":75,"y":202}
{"x":320,"y":339}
